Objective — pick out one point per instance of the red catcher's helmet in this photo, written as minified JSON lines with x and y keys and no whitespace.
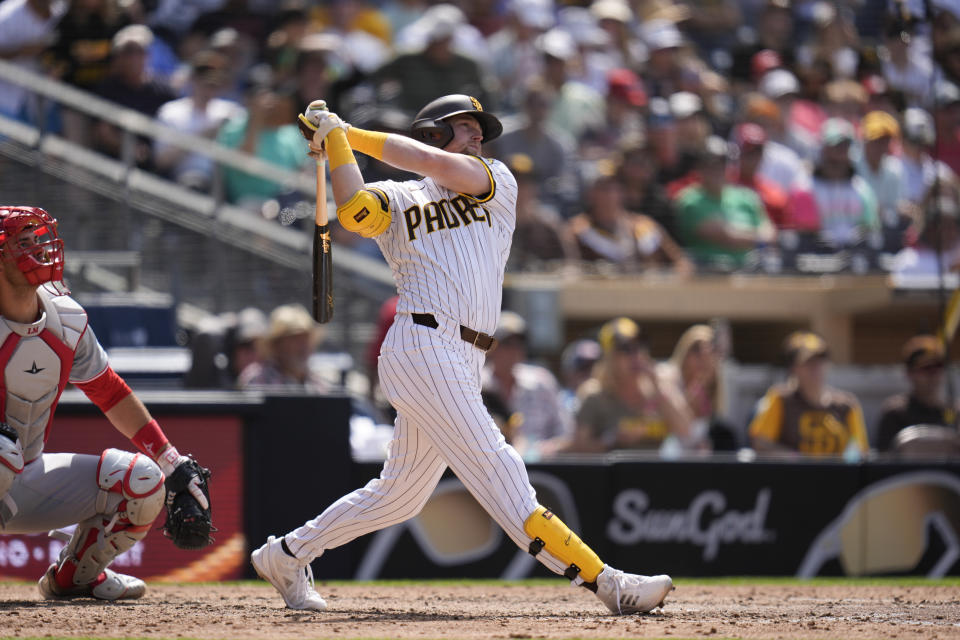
{"x":430,"y":126}
{"x":29,"y":240}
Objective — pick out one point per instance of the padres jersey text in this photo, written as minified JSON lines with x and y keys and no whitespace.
{"x":448,"y":250}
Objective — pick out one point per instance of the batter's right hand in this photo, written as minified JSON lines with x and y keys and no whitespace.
{"x":317,"y":121}
{"x":307,"y":121}
{"x":326,"y":123}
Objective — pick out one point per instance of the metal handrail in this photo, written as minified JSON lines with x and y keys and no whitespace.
{"x":138,"y":124}
{"x":135,"y":122}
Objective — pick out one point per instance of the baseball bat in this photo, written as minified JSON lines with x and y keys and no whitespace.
{"x":322,"y":256}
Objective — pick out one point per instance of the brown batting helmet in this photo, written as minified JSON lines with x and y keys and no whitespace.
{"x":430,"y":126}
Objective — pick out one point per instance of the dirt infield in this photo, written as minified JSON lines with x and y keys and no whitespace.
{"x":491,"y":611}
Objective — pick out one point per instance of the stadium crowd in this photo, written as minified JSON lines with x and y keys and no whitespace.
{"x":693,"y":136}
{"x":608,"y":393}
{"x":646,"y":134}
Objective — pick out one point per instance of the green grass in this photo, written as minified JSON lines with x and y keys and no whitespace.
{"x":900,"y":581}
{"x":886,"y":581}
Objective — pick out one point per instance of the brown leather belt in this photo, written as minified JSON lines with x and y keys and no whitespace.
{"x":478,"y":339}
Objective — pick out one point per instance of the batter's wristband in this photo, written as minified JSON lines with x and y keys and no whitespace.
{"x":150,"y":439}
{"x":367,"y":142}
{"x":338,"y":150}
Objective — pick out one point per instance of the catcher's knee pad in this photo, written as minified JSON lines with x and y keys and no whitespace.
{"x":138,"y":480}
{"x":118,"y":525}
{"x":548,"y":531}
{"x":11,"y":457}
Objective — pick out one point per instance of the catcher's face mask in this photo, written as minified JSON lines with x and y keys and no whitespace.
{"x":29,"y":240}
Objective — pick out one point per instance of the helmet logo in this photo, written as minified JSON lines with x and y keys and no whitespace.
{"x":476,"y":104}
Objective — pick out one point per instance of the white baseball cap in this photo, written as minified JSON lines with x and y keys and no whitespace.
{"x":441,"y":21}
{"x":778,"y":83}
{"x":918,"y":126}
{"x":535,"y":14}
{"x":662,"y":34}
{"x":946,"y":93}
{"x":684,"y":104}
{"x":138,"y":35}
{"x":557,"y":43}
{"x":510,"y":324}
{"x":251,"y":324}
{"x":612,"y":10}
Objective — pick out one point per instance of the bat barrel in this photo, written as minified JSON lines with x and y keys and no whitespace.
{"x":322,"y":274}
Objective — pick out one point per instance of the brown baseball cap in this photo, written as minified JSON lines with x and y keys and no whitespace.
{"x":803,"y":346}
{"x":923,"y":351}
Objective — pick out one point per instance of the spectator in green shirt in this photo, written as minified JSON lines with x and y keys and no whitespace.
{"x":720,"y":222}
{"x":266,"y":131}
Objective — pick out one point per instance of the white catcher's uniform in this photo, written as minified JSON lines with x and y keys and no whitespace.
{"x":447,"y":252}
{"x":38,"y":359}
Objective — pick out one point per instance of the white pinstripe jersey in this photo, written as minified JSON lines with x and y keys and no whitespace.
{"x":447,"y":250}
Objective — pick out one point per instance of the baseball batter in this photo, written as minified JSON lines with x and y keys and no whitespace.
{"x":45,"y":342}
{"x":446,"y":238}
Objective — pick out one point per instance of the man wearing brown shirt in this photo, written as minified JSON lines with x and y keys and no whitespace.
{"x":804,"y":415}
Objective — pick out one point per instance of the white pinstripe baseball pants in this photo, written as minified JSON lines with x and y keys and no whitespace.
{"x":432,"y":378}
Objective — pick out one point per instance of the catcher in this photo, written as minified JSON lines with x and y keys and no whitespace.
{"x":112,"y":498}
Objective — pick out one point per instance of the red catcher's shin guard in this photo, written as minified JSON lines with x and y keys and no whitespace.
{"x":68,"y":566}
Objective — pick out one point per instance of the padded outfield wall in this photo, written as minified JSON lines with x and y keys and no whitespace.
{"x":277,"y":461}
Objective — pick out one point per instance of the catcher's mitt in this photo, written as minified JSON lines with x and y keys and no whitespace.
{"x":188,"y":524}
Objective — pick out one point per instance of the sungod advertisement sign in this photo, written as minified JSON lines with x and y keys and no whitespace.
{"x":697,"y":519}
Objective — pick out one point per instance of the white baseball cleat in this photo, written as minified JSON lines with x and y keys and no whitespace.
{"x":291,"y":577}
{"x":629,"y":593}
{"x":113,"y":586}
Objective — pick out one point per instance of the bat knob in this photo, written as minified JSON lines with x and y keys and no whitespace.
{"x":314,"y":107}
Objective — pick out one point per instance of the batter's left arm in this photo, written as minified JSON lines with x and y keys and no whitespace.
{"x":456,"y":171}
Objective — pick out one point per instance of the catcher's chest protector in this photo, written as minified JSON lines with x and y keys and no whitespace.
{"x":36,"y":360}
